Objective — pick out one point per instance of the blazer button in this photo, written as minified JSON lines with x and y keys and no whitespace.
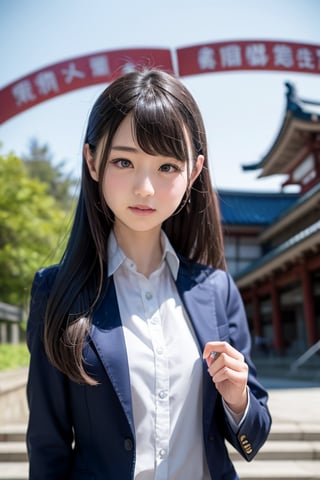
{"x":128,"y":444}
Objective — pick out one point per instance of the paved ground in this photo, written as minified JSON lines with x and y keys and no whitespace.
{"x":293,"y":400}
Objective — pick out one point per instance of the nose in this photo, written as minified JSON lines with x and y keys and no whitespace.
{"x":143,"y":185}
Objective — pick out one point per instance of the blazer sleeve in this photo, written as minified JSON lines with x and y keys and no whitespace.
{"x":255,"y":428}
{"x":49,"y":433}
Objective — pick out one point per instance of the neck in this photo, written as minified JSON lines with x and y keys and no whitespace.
{"x":143,"y":248}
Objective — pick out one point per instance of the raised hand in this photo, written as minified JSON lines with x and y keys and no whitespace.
{"x":229,"y":372}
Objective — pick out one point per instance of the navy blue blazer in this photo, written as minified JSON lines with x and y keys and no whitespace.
{"x":83,"y":432}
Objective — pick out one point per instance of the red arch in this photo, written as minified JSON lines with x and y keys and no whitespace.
{"x":103,"y":67}
{"x":256,"y":55}
{"x":75,"y":73}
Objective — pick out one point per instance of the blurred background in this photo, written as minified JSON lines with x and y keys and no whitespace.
{"x":272,"y":231}
{"x":243,"y":113}
{"x":242,"y":110}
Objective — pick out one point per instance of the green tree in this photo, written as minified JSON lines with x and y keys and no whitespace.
{"x":32,"y":229}
{"x":40,"y":165}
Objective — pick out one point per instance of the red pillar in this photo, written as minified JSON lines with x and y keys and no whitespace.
{"x":278,"y":340}
{"x":309,"y":306}
{"x":256,"y":319}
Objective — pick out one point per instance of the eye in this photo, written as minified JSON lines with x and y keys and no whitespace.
{"x":170,"y":167}
{"x":122,"y":162}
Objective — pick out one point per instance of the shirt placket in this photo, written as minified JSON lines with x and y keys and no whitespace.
{"x":161,"y":384}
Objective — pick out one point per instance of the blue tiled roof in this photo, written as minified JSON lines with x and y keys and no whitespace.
{"x":254,"y":208}
{"x":308,"y":232}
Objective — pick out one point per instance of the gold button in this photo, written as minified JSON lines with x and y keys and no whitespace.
{"x":246,"y":445}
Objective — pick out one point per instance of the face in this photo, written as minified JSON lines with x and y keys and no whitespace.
{"x":142,"y":190}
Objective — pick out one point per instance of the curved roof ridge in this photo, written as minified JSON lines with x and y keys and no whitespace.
{"x":295,"y":108}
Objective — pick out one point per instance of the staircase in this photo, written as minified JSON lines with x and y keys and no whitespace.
{"x":291,"y":453}
{"x":13,"y":454}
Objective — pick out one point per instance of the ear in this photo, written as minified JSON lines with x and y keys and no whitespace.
{"x":196,"y":169}
{"x":90,"y":162}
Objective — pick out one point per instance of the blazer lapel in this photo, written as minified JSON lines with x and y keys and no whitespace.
{"x":198,"y":297}
{"x":199,"y":300}
{"x":108,"y":338}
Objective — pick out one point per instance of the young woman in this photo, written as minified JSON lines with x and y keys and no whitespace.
{"x":140,"y":351}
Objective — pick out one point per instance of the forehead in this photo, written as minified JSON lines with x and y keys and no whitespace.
{"x":124,"y":133}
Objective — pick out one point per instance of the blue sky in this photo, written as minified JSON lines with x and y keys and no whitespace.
{"x":242,"y":111}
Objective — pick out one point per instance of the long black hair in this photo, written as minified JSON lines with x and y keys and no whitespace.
{"x":166,"y":119}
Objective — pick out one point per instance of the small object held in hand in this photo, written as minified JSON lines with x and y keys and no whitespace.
{"x":214,"y":355}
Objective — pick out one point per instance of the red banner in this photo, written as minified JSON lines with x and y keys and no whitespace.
{"x":77,"y":73}
{"x":103,"y":67}
{"x":249,"y":55}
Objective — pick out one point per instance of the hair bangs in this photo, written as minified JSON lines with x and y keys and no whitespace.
{"x":158,"y":126}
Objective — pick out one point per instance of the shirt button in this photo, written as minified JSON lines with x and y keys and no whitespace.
{"x":159,"y":351}
{"x":162,"y":453}
{"x":162,"y":394}
{"x":148,"y":295}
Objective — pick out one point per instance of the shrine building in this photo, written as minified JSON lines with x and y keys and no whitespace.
{"x":272,"y":240}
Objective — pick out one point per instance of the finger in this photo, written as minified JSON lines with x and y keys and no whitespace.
{"x":225,"y":361}
{"x":236,"y":377}
{"x":221,"y":347}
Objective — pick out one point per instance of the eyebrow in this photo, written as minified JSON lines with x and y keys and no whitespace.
{"x":124,"y":148}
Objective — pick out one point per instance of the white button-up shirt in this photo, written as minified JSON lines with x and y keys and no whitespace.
{"x":165,"y":365}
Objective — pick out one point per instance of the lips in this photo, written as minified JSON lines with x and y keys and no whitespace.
{"x":141,"y":209}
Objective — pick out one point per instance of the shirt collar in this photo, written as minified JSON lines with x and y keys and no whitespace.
{"x":116,"y":256}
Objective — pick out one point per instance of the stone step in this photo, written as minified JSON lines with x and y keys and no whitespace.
{"x":13,"y":452}
{"x":14,"y":471}
{"x":255,"y":470}
{"x":291,"y":453}
{"x":284,"y":450}
{"x":291,"y":431}
{"x":278,"y":470}
{"x":13,"y":433}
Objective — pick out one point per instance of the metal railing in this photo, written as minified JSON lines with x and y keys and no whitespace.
{"x":10,"y":313}
{"x":305,"y":356}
